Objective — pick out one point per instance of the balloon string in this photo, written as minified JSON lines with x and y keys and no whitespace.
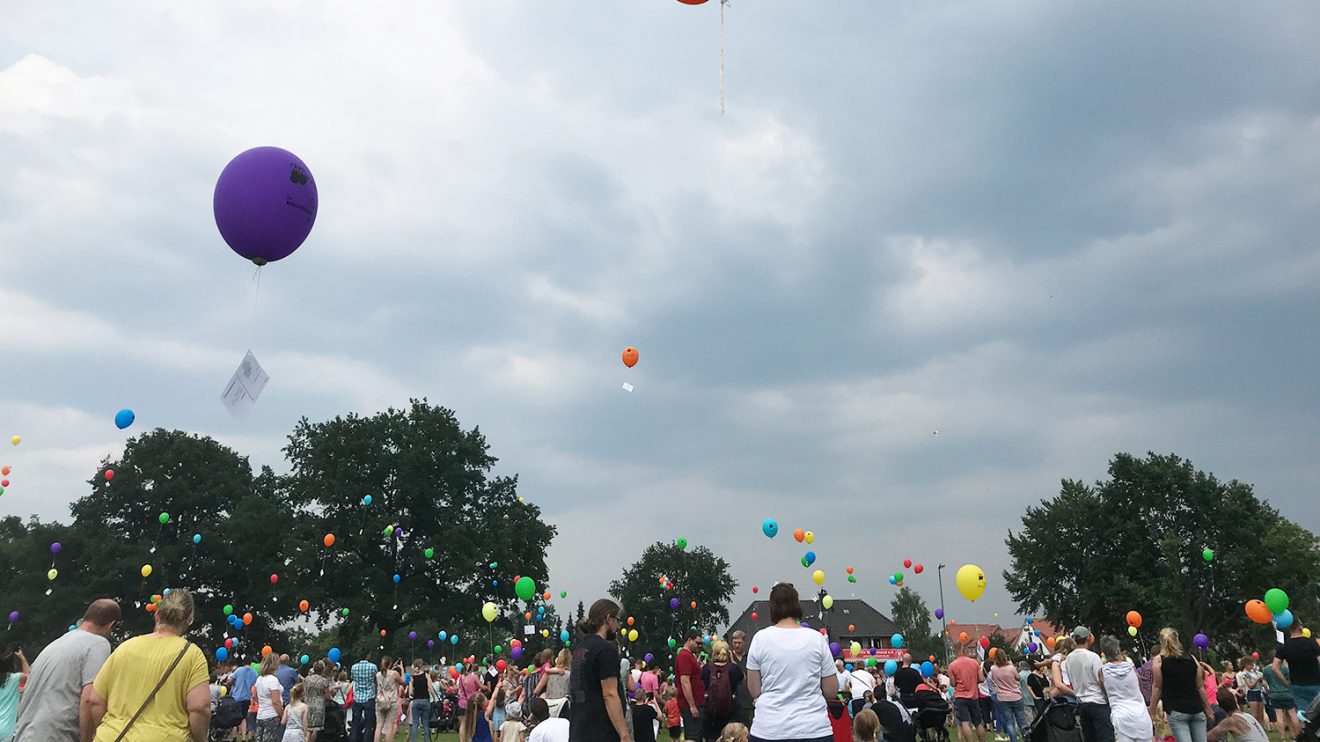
{"x":723,"y":5}
{"x":256,"y":295}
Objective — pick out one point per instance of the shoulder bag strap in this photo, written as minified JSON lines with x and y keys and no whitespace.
{"x":186,"y":646}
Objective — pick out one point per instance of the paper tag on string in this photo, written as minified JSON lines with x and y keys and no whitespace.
{"x":627,"y":387}
{"x":528,"y":630}
{"x":244,"y":387}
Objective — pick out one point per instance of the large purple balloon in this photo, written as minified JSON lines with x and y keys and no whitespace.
{"x":265,"y":204}
{"x":1201,"y":640}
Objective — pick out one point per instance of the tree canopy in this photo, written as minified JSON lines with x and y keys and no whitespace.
{"x":698,"y":576}
{"x":1136,"y":542}
{"x":429,"y":481}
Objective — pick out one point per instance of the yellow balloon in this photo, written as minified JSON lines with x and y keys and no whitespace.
{"x":971,"y":581}
{"x":819,"y":577}
{"x":855,"y":648}
{"x":1132,"y":631}
{"x":1306,"y":633}
{"x":16,"y":440}
{"x":223,"y":691}
{"x":827,"y":602}
{"x":809,"y":537}
{"x":632,"y":635}
{"x":146,"y":570}
{"x":545,"y":632}
{"x":52,"y":574}
{"x":489,"y":612}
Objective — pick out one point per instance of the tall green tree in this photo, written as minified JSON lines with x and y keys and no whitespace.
{"x":1135,"y":542}
{"x":430,"y":487}
{"x":698,"y":576}
{"x":913,"y":620}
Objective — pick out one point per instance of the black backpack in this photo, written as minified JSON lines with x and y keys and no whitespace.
{"x":719,"y":696}
{"x":228,"y":714}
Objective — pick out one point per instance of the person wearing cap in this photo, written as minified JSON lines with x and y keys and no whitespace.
{"x":1083,"y":667}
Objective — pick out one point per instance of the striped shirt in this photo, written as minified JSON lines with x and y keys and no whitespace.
{"x":364,"y":682}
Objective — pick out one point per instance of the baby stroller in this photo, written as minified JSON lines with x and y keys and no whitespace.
{"x":444,"y":713}
{"x":1057,"y":723}
{"x":930,"y":712}
{"x":227,"y":716}
{"x":335,"y":729}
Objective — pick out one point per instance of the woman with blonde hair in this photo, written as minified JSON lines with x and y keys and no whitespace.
{"x":154,"y":686}
{"x":295,"y":716}
{"x":554,"y":684}
{"x":474,"y":726}
{"x":1060,"y":683}
{"x":269,"y":695}
{"x":1180,"y":684}
{"x":721,"y":678}
{"x":736,"y":732}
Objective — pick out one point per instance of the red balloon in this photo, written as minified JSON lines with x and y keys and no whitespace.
{"x":453,"y":673}
{"x":753,"y":615}
{"x":755,"y":589}
{"x":907,"y":564}
{"x":274,"y":579}
{"x":917,"y":568}
{"x":693,"y":2}
{"x":985,"y":642}
{"x":109,"y":474}
{"x":500,"y":665}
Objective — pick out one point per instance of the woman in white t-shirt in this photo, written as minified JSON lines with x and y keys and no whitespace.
{"x":790,"y":674}
{"x":270,"y":705}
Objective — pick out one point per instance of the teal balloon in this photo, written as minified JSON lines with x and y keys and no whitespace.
{"x":891,"y":667}
{"x":770,"y":528}
{"x":563,"y":635}
{"x":366,"y":500}
{"x":1284,"y":620}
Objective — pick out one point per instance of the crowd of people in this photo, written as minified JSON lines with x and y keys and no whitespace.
{"x":785,"y":685}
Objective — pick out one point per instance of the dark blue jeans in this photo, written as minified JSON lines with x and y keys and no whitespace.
{"x":364,"y":721}
{"x":421,"y":716}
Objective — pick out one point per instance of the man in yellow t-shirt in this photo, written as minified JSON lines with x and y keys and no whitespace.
{"x":181,"y":710}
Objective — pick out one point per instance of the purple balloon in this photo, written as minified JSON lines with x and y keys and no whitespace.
{"x":55,"y":547}
{"x":673,"y":603}
{"x":516,"y":653}
{"x":939,"y":614}
{"x":1032,"y":647}
{"x":1201,"y":640}
{"x":13,"y":617}
{"x":835,"y":649}
{"x":412,"y":636}
{"x":430,"y":643}
{"x":265,"y":204}
{"x":649,"y":658}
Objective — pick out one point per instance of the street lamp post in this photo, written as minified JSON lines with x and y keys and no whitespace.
{"x":944,"y":632}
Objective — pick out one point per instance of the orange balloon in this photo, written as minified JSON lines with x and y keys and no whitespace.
{"x":931,"y":658}
{"x":850,"y":570}
{"x":329,"y":539}
{"x":1258,"y":612}
{"x":266,"y":650}
{"x":303,"y":605}
{"x":962,"y":637}
{"x":247,"y":619}
{"x":546,"y":595}
{"x":694,"y":604}
{"x":528,"y":615}
{"x":1134,"y":619}
{"x":382,"y":632}
{"x":992,"y":653}
{"x":851,"y":628}
{"x":631,"y":620}
{"x":630,"y":356}
{"x":798,"y":535}
{"x":1050,"y":642}
{"x":151,"y":607}
{"x":953,"y":622}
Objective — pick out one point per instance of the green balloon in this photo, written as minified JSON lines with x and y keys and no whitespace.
{"x":1208,"y":555}
{"x":164,"y":518}
{"x":229,"y":609}
{"x":344,"y":613}
{"x":852,"y":578}
{"x":389,"y":530}
{"x":499,"y":649}
{"x":672,"y":643}
{"x":525,"y":587}
{"x":494,"y":565}
{"x":804,"y":562}
{"x":1276,"y":600}
{"x":568,"y":644}
{"x":429,"y":552}
{"x":563,"y":593}
{"x":681,"y":543}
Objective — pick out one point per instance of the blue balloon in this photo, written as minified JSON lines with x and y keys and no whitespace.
{"x":896,"y":641}
{"x":303,"y":659}
{"x":124,"y":418}
{"x":494,"y":583}
{"x":848,"y":667}
{"x":443,"y":635}
{"x":366,"y":500}
{"x":1284,"y":620}
{"x":770,"y":528}
{"x":453,"y":639}
{"x":165,"y":592}
{"x":893,"y":580}
{"x":333,"y":654}
{"x":563,"y":635}
{"x":197,"y":538}
{"x":221,"y":654}
{"x":891,"y":667}
{"x":396,"y":579}
{"x":927,"y":669}
{"x":72,"y":627}
{"x":810,"y":558}
{"x":1030,"y":619}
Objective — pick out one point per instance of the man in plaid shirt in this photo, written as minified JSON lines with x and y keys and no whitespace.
{"x":364,"y":699}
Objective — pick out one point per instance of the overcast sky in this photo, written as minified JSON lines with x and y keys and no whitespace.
{"x":1048,"y":231}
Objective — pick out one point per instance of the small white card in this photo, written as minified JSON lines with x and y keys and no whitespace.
{"x":244,"y":388}
{"x":528,"y":630}
{"x":627,"y":387}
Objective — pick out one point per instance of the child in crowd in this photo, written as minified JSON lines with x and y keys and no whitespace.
{"x":672,"y":714}
{"x":734,"y":732}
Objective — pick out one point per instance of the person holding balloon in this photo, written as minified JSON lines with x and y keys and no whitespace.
{"x":1301,"y":653}
{"x":1180,"y":686}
